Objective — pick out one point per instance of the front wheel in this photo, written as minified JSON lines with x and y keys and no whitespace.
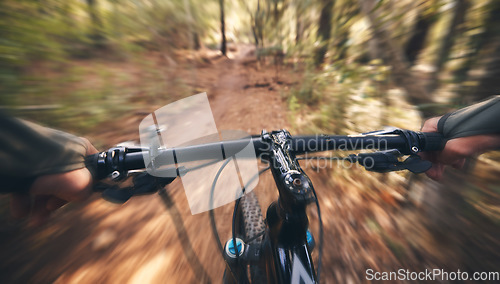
{"x":249,"y":227}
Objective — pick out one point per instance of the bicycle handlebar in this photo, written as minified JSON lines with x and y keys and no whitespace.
{"x":407,"y":142}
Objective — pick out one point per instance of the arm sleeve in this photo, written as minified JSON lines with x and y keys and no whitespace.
{"x":28,"y":150}
{"x":477,"y":119}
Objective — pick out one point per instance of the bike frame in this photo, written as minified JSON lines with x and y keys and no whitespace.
{"x":284,"y":244}
{"x":284,"y":253}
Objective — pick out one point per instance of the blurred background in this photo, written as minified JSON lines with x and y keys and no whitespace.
{"x":96,"y":68}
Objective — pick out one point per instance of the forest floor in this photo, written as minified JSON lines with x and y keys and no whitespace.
{"x":153,"y":240}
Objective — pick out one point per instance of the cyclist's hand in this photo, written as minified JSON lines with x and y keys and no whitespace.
{"x":456,"y":150}
{"x":50,"y":192}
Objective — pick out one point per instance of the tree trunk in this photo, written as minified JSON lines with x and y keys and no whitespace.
{"x":223,"y":46}
{"x":252,"y":22}
{"x":342,"y":25}
{"x":393,"y":55}
{"x":489,"y":82}
{"x":196,"y":41}
{"x":483,"y":65}
{"x":298,"y":27}
{"x":96,"y":24}
{"x":476,"y":44}
{"x":416,"y":42}
{"x":324,"y":31}
{"x":259,"y":25}
{"x":447,"y":43}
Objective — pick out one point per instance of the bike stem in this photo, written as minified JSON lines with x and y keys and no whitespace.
{"x":287,"y":219}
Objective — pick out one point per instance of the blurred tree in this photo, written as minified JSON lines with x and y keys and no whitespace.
{"x":223,"y":46}
{"x":260,"y":20}
{"x":393,"y":55}
{"x":324,"y":30}
{"x":253,"y":21}
{"x":97,"y":34}
{"x":299,"y":25}
{"x":278,"y":10}
{"x":476,"y":76}
{"x":346,"y":13}
{"x":445,"y":46}
{"x":480,"y":72}
{"x":416,"y":43}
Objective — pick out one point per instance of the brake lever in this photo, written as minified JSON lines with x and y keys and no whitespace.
{"x":416,"y":165}
{"x":387,"y":161}
{"x":143,"y":184}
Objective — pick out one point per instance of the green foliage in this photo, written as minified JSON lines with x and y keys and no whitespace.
{"x":311,"y":88}
{"x":171,"y":23}
{"x":293,"y":103}
{"x":50,"y":30}
{"x":349,"y":98}
{"x":22,"y":39}
{"x":23,"y":34}
{"x":48,"y":35}
{"x":88,"y":93}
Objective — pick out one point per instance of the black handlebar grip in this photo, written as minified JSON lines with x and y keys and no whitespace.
{"x":433,"y":141}
{"x":91,"y":162}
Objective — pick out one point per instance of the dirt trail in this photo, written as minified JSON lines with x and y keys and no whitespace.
{"x":238,"y":104}
{"x":142,"y":241}
{"x":155,"y":239}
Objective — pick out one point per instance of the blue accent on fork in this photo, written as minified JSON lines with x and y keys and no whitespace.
{"x":231,"y":249}
{"x":310,"y":238}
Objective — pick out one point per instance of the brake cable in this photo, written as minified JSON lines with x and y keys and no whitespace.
{"x":214,"y":226}
{"x":211,"y":212}
{"x":320,"y":246}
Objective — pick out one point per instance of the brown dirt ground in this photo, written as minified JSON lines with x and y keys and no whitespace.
{"x":148,"y":240}
{"x":138,"y":242}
